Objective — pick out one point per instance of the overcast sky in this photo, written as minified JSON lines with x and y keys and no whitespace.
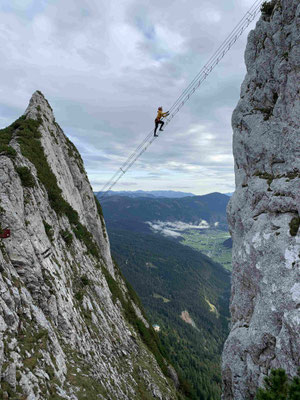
{"x":105,"y":67}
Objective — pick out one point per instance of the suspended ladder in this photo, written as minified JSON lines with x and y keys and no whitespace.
{"x":187,"y":93}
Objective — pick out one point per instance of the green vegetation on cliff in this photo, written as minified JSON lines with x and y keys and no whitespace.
{"x":279,"y":387}
{"x":27,"y":132}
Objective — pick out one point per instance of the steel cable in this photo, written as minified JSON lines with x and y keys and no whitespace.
{"x":187,"y":93}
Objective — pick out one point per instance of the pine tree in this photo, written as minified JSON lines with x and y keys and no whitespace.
{"x":278,"y":387}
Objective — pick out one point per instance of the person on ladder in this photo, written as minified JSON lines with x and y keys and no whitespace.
{"x":158,"y":121}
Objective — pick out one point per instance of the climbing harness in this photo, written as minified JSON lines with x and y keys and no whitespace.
{"x":187,"y":93}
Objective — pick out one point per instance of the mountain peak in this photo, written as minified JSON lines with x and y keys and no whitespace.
{"x":38,"y":104}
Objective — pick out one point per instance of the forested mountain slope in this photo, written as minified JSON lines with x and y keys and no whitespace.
{"x":176,"y":283}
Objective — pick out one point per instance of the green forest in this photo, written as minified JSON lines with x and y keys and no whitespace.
{"x":170,"y":279}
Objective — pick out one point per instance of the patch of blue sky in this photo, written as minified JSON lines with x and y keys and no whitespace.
{"x":85,"y":12}
{"x":161,"y":56}
{"x":158,"y":52}
{"x":148,"y":30}
{"x":24,"y":8}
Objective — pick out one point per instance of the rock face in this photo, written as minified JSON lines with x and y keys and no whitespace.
{"x":68,"y":322}
{"x":264,"y":211}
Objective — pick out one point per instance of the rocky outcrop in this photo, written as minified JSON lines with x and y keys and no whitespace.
{"x":264,"y":211}
{"x":69,"y":325}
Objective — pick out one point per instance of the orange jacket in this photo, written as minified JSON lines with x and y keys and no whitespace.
{"x":160,"y":115}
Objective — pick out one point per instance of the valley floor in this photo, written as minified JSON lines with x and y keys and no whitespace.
{"x":209,"y":242}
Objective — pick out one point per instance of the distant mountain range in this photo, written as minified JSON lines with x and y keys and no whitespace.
{"x":135,"y":214}
{"x":171,"y":194}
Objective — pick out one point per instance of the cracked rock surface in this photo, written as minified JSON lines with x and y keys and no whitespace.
{"x":66,"y":315}
{"x":264,"y":211}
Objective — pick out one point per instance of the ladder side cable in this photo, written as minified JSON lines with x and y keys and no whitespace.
{"x":188,"y":92}
{"x":225,"y":46}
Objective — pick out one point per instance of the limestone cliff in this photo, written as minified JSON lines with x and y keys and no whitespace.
{"x":264,"y":210}
{"x":70,"y":327}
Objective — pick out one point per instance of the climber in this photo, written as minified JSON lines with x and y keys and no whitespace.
{"x":160,"y":114}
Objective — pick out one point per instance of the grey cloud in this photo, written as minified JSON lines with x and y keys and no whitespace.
{"x":100,"y":70}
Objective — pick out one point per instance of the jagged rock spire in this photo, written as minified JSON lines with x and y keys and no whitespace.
{"x":63,"y":330}
{"x":38,"y":104}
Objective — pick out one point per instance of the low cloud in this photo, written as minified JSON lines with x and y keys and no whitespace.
{"x":173,"y":229}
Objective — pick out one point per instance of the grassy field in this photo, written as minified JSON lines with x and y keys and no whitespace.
{"x":210,"y":243}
